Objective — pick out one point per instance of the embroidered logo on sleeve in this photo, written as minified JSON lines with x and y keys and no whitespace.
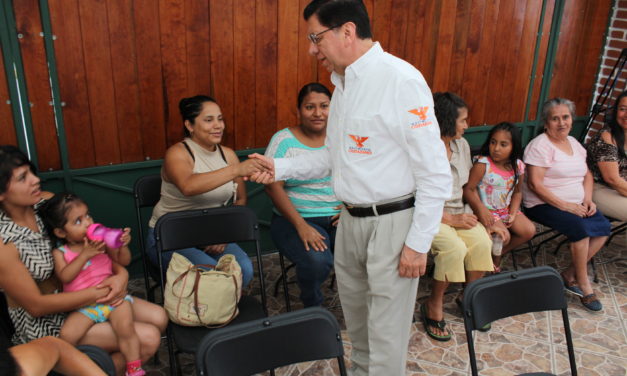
{"x":422,"y":121}
{"x":359,"y":147}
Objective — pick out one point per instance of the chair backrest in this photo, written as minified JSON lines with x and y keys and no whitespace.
{"x":263,"y":344}
{"x":509,"y":294}
{"x":200,"y":227}
{"x":147,"y":192}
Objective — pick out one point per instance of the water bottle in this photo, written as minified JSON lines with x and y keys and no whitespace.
{"x":111,"y":236}
{"x":497,"y":244}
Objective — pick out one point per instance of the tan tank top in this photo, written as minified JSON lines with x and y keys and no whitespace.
{"x":173,"y":200}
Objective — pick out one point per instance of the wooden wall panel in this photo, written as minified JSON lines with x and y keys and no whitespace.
{"x":152,"y":112}
{"x":243,"y":121}
{"x":523,"y":60}
{"x":125,"y":64}
{"x":222,"y":61}
{"x":7,"y":127}
{"x":99,"y":76}
{"x":125,"y":79}
{"x":28,"y":24}
{"x":198,"y":46}
{"x":68,"y":47}
{"x":266,"y":70}
{"x":173,"y":64}
{"x":579,"y":51}
{"x":289,"y":40}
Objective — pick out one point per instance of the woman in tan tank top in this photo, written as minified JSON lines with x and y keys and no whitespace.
{"x":199,"y":173}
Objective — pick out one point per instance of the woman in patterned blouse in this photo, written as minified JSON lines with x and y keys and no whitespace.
{"x":608,"y":162}
{"x":26,"y":267}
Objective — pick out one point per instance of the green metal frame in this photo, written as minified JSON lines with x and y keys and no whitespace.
{"x":549,"y":64}
{"x":48,"y":36}
{"x":536,"y":57}
{"x":16,"y":80}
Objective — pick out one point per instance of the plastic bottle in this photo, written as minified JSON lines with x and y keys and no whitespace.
{"x":497,"y":244}
{"x":111,"y":236}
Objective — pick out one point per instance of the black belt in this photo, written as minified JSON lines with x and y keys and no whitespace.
{"x":382,"y":209}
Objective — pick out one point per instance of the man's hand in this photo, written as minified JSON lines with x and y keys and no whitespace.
{"x":412,"y":264}
{"x":267,"y":175}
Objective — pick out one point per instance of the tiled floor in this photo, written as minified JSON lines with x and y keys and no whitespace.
{"x":526,"y":343}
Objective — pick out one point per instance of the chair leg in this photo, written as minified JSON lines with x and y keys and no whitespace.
{"x":532,"y":255}
{"x":174,"y":368}
{"x":286,"y":294}
{"x":513,"y":252}
{"x":594,"y":271}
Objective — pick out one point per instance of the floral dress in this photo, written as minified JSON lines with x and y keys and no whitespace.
{"x":497,"y":186}
{"x":35,"y":252}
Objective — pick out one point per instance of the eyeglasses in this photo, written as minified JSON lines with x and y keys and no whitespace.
{"x":316,"y":38}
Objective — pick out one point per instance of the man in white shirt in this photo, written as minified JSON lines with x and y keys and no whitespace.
{"x":383,"y":151}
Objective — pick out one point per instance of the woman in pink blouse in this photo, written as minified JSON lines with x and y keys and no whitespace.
{"x":558,"y":194}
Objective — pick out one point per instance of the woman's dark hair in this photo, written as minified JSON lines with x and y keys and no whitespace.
{"x":335,"y":13}
{"x":191,"y":107}
{"x":446,"y":106}
{"x":55,"y":210}
{"x":516,"y":146}
{"x":11,"y":158}
{"x":313,"y":87}
{"x":615,"y":129}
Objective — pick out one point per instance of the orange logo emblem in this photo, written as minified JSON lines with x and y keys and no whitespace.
{"x":421,"y":112}
{"x":359,"y":141}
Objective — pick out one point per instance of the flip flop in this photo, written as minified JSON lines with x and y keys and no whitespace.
{"x":430,"y":323}
{"x":484,"y":328}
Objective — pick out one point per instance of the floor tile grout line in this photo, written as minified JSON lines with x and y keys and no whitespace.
{"x":614,"y":300}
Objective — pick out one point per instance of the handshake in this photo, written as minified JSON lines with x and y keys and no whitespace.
{"x":257,"y":169}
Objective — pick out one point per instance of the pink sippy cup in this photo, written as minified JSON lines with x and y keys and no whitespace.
{"x":111,"y":236}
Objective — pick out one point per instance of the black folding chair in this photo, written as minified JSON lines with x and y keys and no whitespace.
{"x":192,"y":228}
{"x":147,"y":192}
{"x":256,"y":346}
{"x":509,"y":294}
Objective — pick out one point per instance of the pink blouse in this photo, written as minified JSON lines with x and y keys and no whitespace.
{"x":564,"y":175}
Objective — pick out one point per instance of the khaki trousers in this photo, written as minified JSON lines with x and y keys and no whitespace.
{"x":377,"y":303}
{"x":610,"y":202}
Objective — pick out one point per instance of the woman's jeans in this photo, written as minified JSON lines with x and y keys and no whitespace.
{"x":312,"y":267}
{"x":197,"y":256}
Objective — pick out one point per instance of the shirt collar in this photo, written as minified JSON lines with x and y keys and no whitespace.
{"x":360,"y":65}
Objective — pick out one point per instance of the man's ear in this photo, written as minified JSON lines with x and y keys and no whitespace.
{"x":59,"y":233}
{"x":349,"y":31}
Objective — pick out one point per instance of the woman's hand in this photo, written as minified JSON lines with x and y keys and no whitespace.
{"x":576,"y":209}
{"x":118,"y":285}
{"x":510,"y":219}
{"x":500,"y":230}
{"x":214,"y":249}
{"x":311,"y":238}
{"x":126,"y":237}
{"x":464,"y":221}
{"x":591,"y":208}
{"x":249,"y":167}
{"x":486,"y":218}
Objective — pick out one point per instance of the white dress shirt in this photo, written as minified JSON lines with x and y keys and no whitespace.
{"x":383,"y":142}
